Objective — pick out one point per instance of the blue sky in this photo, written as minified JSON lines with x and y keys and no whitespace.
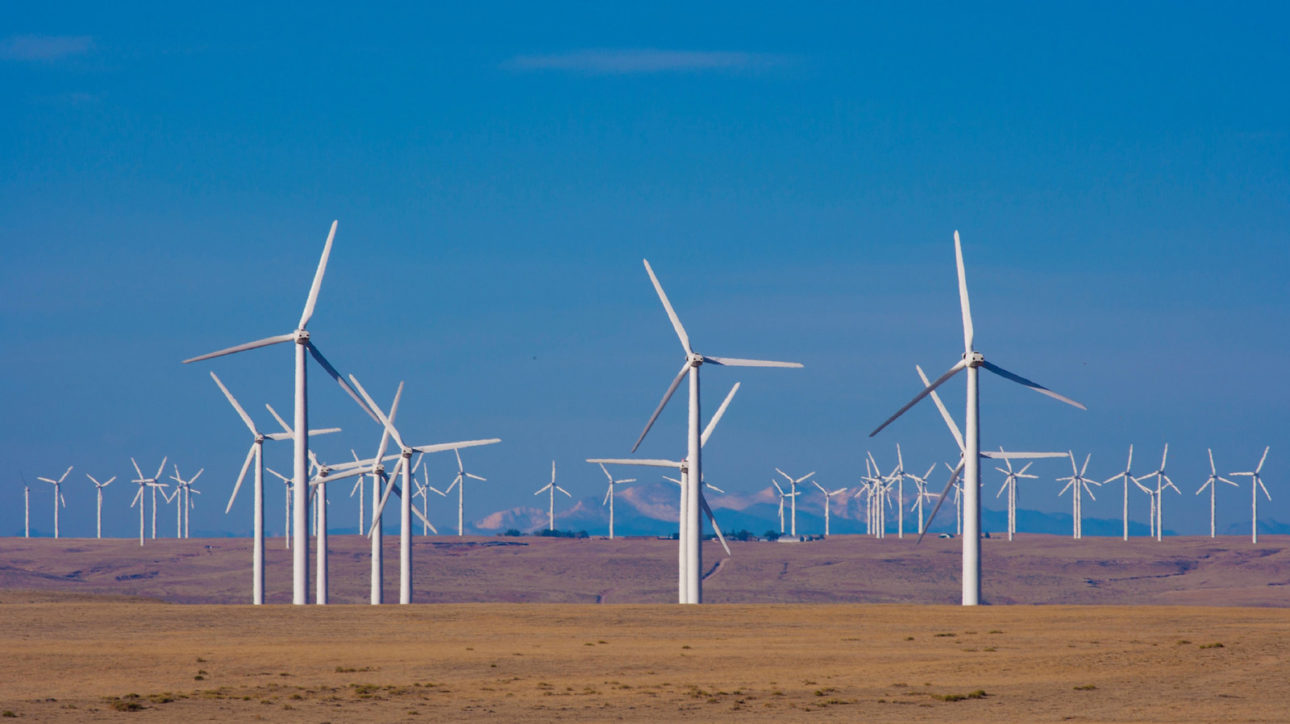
{"x":1118,"y":174}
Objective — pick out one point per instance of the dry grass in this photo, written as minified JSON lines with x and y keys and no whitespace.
{"x":530,"y":662}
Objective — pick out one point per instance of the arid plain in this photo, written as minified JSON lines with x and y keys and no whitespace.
{"x":846,"y":629}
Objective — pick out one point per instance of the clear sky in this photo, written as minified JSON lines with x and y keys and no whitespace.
{"x":1119,"y":174}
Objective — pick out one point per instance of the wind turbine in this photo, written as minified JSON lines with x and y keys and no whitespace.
{"x":792,"y":484}
{"x":459,"y":483}
{"x":58,"y":495}
{"x":879,"y":490}
{"x":26,"y":508}
{"x":98,"y":488}
{"x":405,"y":492}
{"x":898,"y":476}
{"x":685,"y":589}
{"x":145,"y":483}
{"x":1127,"y":476}
{"x":921,"y":494}
{"x":423,"y":490}
{"x":1212,"y":482}
{"x":300,"y":468}
{"x":609,"y":496}
{"x":828,"y":498}
{"x":1010,"y":484}
{"x":167,"y":499}
{"x":1157,"y":498}
{"x":691,"y":531}
{"x":184,"y":489}
{"x":256,"y":453}
{"x":287,"y":486}
{"x":1078,"y":484}
{"x":1256,"y":482}
{"x":782,"y":497}
{"x":552,"y":487}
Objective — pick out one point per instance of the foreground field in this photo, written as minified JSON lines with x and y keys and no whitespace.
{"x":93,"y":661}
{"x":1034,"y":569}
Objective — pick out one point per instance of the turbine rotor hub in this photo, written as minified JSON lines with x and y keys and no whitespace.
{"x":696,"y":359}
{"x":976,"y":359}
{"x":302,"y":336}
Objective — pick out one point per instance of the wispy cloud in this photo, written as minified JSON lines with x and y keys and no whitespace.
{"x":643,"y":60}
{"x":44,"y":47}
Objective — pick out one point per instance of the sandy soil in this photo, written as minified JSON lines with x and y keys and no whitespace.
{"x":1034,"y":569}
{"x":93,"y":661}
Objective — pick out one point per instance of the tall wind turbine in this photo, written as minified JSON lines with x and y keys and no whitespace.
{"x":300,"y":469}
{"x":405,"y":492}
{"x":551,"y":487}
{"x":792,"y":484}
{"x":971,"y":361}
{"x":1256,"y":482}
{"x":1157,"y":496}
{"x":1127,"y":476}
{"x":922,"y":494}
{"x":459,"y":483}
{"x":1010,"y":484}
{"x":98,"y":488}
{"x":609,"y":496}
{"x":1212,"y":482}
{"x":145,"y":483}
{"x":684,"y":578}
{"x":828,"y":498}
{"x":691,"y":533}
{"x":58,"y":494}
{"x":1078,"y":484}
{"x":782,"y":497}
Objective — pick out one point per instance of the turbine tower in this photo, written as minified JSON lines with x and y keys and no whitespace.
{"x":459,"y":483}
{"x":144,"y":484}
{"x":1256,"y":482}
{"x":690,"y":533}
{"x":1010,"y":484}
{"x":58,"y":495}
{"x":792,"y":485}
{"x":184,"y":489}
{"x":300,"y":468}
{"x":971,"y":361}
{"x":1212,"y":483}
{"x":551,"y":487}
{"x":921,"y":494}
{"x":98,"y":488}
{"x":609,"y":496}
{"x":1157,"y":496}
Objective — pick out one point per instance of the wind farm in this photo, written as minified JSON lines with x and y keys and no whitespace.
{"x":491,"y":228}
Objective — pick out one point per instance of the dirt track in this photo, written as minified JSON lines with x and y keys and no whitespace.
{"x":536,"y":662}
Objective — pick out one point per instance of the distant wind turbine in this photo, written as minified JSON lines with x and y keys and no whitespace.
{"x":144,"y":484}
{"x":98,"y":488}
{"x":792,"y":485}
{"x":551,"y":487}
{"x":58,"y":495}
{"x":1078,"y":484}
{"x":828,"y":498}
{"x":1212,"y":483}
{"x":1256,"y":482}
{"x":1010,"y":484}
{"x":1127,"y":476}
{"x":609,"y":496}
{"x":1157,"y":496}
{"x":184,"y":489}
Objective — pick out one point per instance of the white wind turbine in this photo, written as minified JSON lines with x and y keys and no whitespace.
{"x":691,"y":530}
{"x":98,"y":488}
{"x":1078,"y":484}
{"x":1256,"y":482}
{"x":551,"y":487}
{"x":684,"y":580}
{"x":879,"y":492}
{"x":1157,"y":496}
{"x":792,"y":485}
{"x":782,"y":497}
{"x":1010,"y":484}
{"x":406,"y":490}
{"x":184,"y":489}
{"x":828,"y":498}
{"x":256,"y":453}
{"x":300,"y":467}
{"x":423,"y":490}
{"x":898,"y":476}
{"x":26,"y":508}
{"x":609,"y":496}
{"x":58,"y":494}
{"x":1127,"y":476}
{"x":921,"y":494}
{"x":1212,"y":483}
{"x":287,"y":489}
{"x":971,"y":361}
{"x":459,"y":483}
{"x":144,"y":483}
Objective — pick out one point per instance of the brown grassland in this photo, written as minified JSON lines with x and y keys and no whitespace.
{"x":74,"y":645}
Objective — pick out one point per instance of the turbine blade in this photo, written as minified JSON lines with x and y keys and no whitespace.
{"x":457,"y":446}
{"x":1031,"y":384}
{"x":954,"y":475}
{"x":1259,"y":468}
{"x":712,"y":424}
{"x":385,"y":496}
{"x":283,"y":423}
{"x":964,"y":305}
{"x":562,"y":490}
{"x":663,"y":403}
{"x":1001,"y":455}
{"x":250,"y":454}
{"x":425,"y":520}
{"x":160,"y":468}
{"x":737,"y":362}
{"x":925,"y":392}
{"x":322,"y":361}
{"x":318,"y":277}
{"x":243,"y":347}
{"x":380,"y":416}
{"x":713,"y":519}
{"x":649,"y":463}
{"x":136,"y":467}
{"x":233,"y":401}
{"x":671,"y":313}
